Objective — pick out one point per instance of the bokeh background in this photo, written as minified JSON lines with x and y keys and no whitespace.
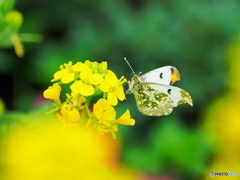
{"x":199,"y":37}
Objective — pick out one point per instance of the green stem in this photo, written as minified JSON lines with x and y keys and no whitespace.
{"x":28,"y":37}
{"x":104,"y":95}
{"x":53,"y":110}
{"x":88,"y":123}
{"x":113,"y":134}
{"x":85,"y":109}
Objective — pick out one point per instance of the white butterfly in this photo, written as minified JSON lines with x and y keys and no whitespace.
{"x":153,"y":91}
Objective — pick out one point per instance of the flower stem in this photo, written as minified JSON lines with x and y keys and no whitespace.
{"x":86,"y":109}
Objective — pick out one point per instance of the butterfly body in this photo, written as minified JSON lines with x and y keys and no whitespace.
{"x":154,"y":94}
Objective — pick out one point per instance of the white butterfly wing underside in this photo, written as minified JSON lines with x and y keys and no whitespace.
{"x":162,"y":75}
{"x":155,"y":99}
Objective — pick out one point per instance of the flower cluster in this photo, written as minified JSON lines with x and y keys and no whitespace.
{"x":86,"y":80}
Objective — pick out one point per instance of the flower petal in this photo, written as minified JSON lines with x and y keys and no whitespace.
{"x":109,"y":114}
{"x":86,"y":90}
{"x":103,"y":110}
{"x":53,"y":92}
{"x":59,"y":74}
{"x":78,"y":67}
{"x":76,"y":86}
{"x":85,"y":73}
{"x":67,"y":78}
{"x":112,"y":98}
{"x":73,"y":115}
{"x":95,"y":79}
{"x":120,"y":93}
{"x":83,"y":89}
{"x":105,"y":86}
{"x":111,"y":78}
{"x":126,"y":119}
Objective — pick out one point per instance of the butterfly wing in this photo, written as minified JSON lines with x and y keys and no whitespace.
{"x":166,"y":75}
{"x":156,"y":99}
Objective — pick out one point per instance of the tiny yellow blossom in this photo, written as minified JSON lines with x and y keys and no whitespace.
{"x":85,"y":73}
{"x":66,"y":74}
{"x":126,"y":119}
{"x":103,"y":110}
{"x":69,"y":115}
{"x":95,"y":79}
{"x":53,"y":92}
{"x":106,"y":117}
{"x":113,"y":87}
{"x":77,"y":99}
{"x":78,"y":67}
{"x":84,"y":89}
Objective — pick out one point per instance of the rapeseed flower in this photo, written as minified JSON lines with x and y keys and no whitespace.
{"x":86,"y":80}
{"x":66,"y":74}
{"x":53,"y":92}
{"x":68,"y":115}
{"x":113,"y":87}
{"x":105,"y":117}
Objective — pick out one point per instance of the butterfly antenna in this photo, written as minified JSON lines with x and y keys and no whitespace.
{"x":129,"y":65}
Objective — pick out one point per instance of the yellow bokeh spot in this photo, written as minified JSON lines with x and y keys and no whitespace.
{"x":14,"y":18}
{"x":49,"y":153}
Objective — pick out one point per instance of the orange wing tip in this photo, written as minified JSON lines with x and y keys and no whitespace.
{"x":175,"y":76}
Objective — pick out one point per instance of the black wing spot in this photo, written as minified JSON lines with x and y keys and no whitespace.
{"x":169,"y":91}
{"x":161,"y":75}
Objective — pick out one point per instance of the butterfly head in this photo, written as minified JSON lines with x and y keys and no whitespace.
{"x":133,"y":84}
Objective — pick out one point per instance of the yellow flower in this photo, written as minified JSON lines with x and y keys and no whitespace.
{"x":126,"y":119}
{"x":53,"y":92}
{"x":106,"y":117}
{"x":89,"y":79}
{"x":86,"y":86}
{"x":77,"y":99}
{"x":83,"y":89}
{"x":66,"y":74}
{"x":69,"y":115}
{"x":95,"y":79}
{"x":85,"y":73}
{"x":113,"y":87}
{"x":104,"y":111}
{"x":78,"y":67}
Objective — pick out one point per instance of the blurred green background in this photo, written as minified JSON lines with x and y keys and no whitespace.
{"x":199,"y":37}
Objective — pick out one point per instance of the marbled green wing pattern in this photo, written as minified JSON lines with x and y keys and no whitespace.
{"x":156,"y":99}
